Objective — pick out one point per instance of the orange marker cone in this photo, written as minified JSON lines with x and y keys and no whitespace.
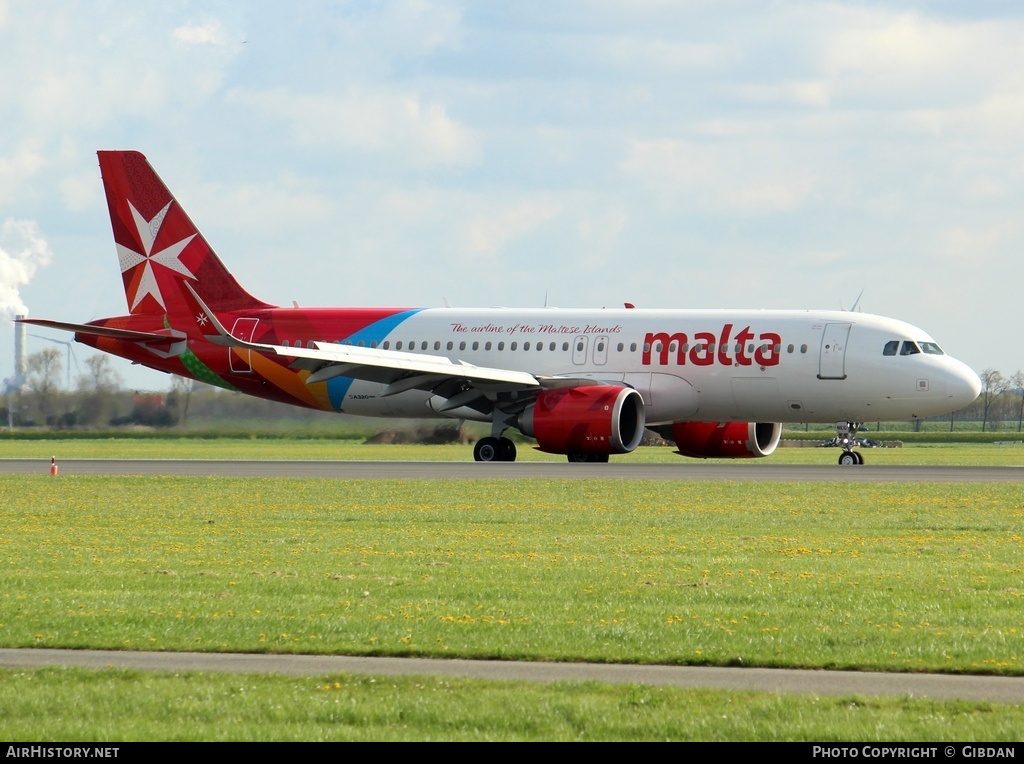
{"x":53,"y":465}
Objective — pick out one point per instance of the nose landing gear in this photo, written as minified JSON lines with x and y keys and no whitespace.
{"x":846,"y":433}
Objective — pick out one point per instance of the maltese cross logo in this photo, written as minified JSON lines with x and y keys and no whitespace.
{"x":145,"y":282}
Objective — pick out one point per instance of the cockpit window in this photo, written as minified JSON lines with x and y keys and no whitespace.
{"x":909,"y":348}
{"x":891,"y":347}
{"x":931,"y":348}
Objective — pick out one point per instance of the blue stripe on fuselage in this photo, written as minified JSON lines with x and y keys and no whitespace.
{"x":337,"y":388}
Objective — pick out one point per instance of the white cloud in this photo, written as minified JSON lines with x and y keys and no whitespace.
{"x":488,"y":234}
{"x":17,"y":168}
{"x":263,"y":208}
{"x":808,"y":93}
{"x":207,"y":33}
{"x":665,"y":56}
{"x":386,"y":121}
{"x":979,"y":247}
{"x":746,"y":177}
{"x":81,"y":191}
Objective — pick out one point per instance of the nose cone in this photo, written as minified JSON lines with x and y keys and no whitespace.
{"x":963,"y":386}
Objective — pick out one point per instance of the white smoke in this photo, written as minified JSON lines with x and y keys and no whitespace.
{"x":23,"y":250}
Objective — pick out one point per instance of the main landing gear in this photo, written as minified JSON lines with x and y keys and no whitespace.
{"x":494,"y":450}
{"x":847,"y":434}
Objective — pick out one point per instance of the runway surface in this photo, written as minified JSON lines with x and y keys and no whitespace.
{"x":365,"y":470}
{"x":843,"y":683}
{"x":937,"y":686}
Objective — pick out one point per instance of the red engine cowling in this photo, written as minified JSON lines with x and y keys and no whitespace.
{"x":594,"y":419}
{"x":726,"y":440}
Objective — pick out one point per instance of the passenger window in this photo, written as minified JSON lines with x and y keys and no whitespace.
{"x":398,"y":345}
{"x":476,"y":346}
{"x":526,"y":346}
{"x":890,"y":347}
{"x":501,"y":346}
{"x":450,"y":344}
{"x":462,"y":345}
{"x":514,"y":346}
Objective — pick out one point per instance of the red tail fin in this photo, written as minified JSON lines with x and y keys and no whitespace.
{"x":158,"y":245}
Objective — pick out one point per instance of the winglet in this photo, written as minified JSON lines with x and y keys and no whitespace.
{"x":223,"y":336}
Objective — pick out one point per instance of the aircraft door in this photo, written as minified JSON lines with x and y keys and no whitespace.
{"x":579,"y":350}
{"x":239,"y":358}
{"x":832,"y":362}
{"x":600,"y":351}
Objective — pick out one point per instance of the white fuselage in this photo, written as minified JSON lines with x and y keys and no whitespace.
{"x":693,"y":365}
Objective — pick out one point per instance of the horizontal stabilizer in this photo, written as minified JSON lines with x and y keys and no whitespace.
{"x":128,"y":335}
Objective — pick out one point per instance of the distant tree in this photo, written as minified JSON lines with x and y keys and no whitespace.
{"x":42,"y":381}
{"x":98,"y":391}
{"x":101,"y":374}
{"x":1017,"y":383}
{"x":180,"y":397}
{"x":993,"y":384}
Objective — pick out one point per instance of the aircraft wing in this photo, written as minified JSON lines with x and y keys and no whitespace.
{"x":333,"y":360}
{"x":460,"y":382}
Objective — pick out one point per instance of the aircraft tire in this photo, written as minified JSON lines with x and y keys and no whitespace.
{"x":488,"y":450}
{"x":508,"y":450}
{"x":850,"y":459}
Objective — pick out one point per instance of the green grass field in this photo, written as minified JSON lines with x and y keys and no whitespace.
{"x":882,"y":577}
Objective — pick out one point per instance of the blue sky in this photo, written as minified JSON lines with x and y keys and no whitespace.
{"x":669,"y":154}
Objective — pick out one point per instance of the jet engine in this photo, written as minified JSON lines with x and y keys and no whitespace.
{"x":597,"y":419}
{"x":724,"y":440}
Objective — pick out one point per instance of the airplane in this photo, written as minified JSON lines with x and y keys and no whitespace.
{"x":585,"y":384}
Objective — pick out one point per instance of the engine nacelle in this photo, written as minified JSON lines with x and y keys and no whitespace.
{"x":591,"y":419}
{"x":726,"y":440}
